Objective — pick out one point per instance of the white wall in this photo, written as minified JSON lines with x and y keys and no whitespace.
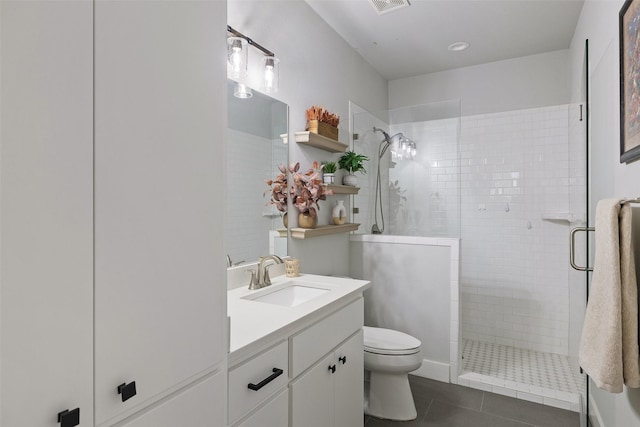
{"x":415,"y":290}
{"x":514,"y":84}
{"x":317,"y":68}
{"x":599,"y":23}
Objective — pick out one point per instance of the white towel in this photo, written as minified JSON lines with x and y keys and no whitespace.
{"x":609,"y":343}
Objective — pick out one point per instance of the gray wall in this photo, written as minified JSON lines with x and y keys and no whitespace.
{"x":599,"y":23}
{"x":515,"y":84}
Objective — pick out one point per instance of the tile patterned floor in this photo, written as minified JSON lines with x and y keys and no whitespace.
{"x":540,"y":377}
{"x":449,"y":405}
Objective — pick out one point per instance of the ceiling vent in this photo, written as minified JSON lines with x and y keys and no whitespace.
{"x":384,"y":6}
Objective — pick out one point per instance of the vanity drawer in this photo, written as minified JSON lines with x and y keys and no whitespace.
{"x":263,"y":372}
{"x":308,"y":346}
{"x":274,"y":413}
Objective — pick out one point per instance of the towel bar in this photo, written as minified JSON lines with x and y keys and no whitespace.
{"x":636,"y":200}
{"x":572,"y":245}
{"x":572,"y":239}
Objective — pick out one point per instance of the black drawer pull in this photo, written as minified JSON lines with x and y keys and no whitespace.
{"x":69,"y":418}
{"x":127,"y":391}
{"x":343,"y":359}
{"x":276,"y":373}
{"x":332,"y":368}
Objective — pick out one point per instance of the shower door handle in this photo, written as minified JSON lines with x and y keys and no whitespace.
{"x":572,"y":248}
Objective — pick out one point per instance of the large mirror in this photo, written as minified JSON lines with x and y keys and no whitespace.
{"x":258,"y":129}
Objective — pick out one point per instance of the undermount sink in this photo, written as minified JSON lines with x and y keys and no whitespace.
{"x":289,"y":295}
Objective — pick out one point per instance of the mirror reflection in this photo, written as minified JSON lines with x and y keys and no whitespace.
{"x":257,"y":139}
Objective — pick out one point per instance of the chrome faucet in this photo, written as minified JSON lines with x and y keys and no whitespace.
{"x":263,"y":270}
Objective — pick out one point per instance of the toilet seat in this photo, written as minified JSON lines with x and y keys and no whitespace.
{"x":389,"y":342}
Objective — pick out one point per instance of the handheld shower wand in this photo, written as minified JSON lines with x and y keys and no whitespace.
{"x":382,"y":148}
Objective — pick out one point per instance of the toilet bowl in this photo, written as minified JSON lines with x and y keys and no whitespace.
{"x":388,"y":357}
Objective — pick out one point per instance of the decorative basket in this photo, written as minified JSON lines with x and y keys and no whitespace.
{"x":324,"y":129}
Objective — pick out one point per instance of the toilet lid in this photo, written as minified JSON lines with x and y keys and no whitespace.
{"x":388,"y":341}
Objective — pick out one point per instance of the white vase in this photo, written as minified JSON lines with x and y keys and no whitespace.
{"x":339,"y":213}
{"x":350,"y":180}
{"x":328,"y":178}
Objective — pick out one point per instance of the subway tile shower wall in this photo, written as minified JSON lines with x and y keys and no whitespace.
{"x":517,"y":168}
{"x":424,"y":193}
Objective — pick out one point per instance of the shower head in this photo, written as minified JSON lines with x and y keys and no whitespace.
{"x":388,"y":141}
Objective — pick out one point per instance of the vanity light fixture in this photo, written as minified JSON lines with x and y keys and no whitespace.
{"x":271,"y":73}
{"x":237,"y":61}
{"x":237,"y":54}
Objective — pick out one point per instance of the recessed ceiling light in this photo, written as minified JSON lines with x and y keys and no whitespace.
{"x":458,"y":46}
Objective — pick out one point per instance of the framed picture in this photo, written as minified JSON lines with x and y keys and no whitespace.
{"x":630,"y":81}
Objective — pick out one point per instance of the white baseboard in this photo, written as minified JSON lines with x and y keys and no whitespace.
{"x":595,"y":420}
{"x":433,"y":370}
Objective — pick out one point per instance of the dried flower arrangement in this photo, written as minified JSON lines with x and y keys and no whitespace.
{"x":306,"y":190}
{"x":323,"y":116}
{"x":278,"y":190}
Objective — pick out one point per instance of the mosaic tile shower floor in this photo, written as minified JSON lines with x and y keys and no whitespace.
{"x":526,"y":374}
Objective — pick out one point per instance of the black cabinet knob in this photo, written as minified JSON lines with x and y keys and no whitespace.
{"x":69,"y":418}
{"x":127,"y":391}
{"x":343,"y":359}
{"x":332,"y":368}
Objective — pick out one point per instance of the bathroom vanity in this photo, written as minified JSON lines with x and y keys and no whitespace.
{"x":296,"y":353}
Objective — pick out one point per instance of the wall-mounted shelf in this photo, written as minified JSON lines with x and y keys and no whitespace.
{"x":341,"y":189}
{"x":282,"y":232}
{"x":319,"y":141}
{"x":322,"y":230}
{"x":561,"y":216}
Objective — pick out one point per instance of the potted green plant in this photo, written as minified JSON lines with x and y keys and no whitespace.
{"x":352,"y":162}
{"x":329,"y":172}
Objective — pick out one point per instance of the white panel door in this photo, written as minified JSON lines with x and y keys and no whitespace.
{"x":312,"y":396}
{"x":349,"y":383}
{"x":46,"y":199}
{"x":160,"y":113}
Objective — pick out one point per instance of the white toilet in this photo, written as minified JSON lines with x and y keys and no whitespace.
{"x":389,"y":356}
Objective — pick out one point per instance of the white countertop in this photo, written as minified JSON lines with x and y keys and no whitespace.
{"x":255,"y":325}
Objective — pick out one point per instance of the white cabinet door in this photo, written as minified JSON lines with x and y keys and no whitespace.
{"x":160,"y":122}
{"x":349,"y":383}
{"x":201,"y":405}
{"x":46,"y":202}
{"x":312,"y":396}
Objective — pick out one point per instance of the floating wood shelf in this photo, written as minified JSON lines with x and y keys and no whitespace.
{"x":341,"y":189}
{"x":282,"y":232}
{"x":319,"y":141}
{"x":322,"y":230}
